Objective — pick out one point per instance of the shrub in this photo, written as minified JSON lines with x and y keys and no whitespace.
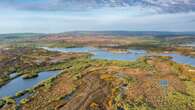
{"x":24,"y":101}
{"x":2,"y":103}
{"x":20,"y":93}
{"x":179,"y":101}
{"x":30,"y":75}
{"x":9,"y":100}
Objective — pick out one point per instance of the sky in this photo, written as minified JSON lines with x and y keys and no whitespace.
{"x":42,"y":16}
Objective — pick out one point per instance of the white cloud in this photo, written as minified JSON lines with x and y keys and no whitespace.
{"x":135,"y":19}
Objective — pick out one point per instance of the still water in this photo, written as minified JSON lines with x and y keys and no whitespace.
{"x":181,"y":58}
{"x":131,"y":55}
{"x":20,"y":84}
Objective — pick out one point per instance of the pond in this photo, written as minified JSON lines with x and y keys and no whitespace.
{"x":20,"y":84}
{"x":130,"y":55}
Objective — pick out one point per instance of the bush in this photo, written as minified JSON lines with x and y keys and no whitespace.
{"x":24,"y":101}
{"x":9,"y":100}
{"x":2,"y":103}
{"x":20,"y":93}
{"x":30,"y":75}
{"x":179,"y":101}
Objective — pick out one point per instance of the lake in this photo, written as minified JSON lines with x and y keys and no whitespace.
{"x":132,"y":55}
{"x":20,"y":84}
{"x":181,"y":58}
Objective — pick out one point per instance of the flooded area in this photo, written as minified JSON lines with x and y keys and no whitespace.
{"x":20,"y":84}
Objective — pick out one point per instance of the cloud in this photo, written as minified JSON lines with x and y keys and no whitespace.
{"x":132,"y":19}
{"x":41,"y":5}
{"x":168,"y":6}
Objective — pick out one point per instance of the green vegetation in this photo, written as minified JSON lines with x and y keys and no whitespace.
{"x":24,"y":101}
{"x":48,"y":83}
{"x":176,"y":101}
{"x":20,"y":93}
{"x":3,"y":80}
{"x":2,"y":103}
{"x":9,"y":100}
{"x":138,"y":104}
